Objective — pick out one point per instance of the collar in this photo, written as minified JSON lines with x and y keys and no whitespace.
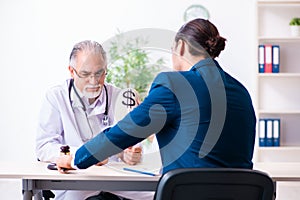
{"x":207,"y":62}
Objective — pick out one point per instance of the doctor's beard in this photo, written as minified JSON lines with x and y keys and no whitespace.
{"x":94,"y":94}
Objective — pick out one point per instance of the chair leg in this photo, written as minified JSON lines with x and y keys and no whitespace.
{"x":47,"y":194}
{"x":274,"y":195}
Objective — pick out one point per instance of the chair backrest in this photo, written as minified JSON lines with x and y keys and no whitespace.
{"x":215,"y":184}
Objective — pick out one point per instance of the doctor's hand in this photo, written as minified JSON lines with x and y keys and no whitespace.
{"x":63,"y":163}
{"x":102,"y":162}
{"x":131,"y":155}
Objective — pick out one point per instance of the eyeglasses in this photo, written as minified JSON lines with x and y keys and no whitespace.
{"x":86,"y":75}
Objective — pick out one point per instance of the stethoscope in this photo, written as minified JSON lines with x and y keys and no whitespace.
{"x":105,"y":119}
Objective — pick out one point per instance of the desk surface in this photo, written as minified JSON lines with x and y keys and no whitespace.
{"x":38,"y":170}
{"x":36,"y":177}
{"x":280,"y":171}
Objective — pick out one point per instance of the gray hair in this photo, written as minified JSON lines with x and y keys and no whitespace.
{"x":86,"y":46}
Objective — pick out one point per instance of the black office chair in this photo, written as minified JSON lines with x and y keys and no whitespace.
{"x":47,"y":194}
{"x":215,"y":184}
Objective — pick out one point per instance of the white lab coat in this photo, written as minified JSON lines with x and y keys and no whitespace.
{"x":57,"y":126}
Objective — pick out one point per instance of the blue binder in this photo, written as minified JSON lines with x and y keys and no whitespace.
{"x":276,"y":132}
{"x":262,"y":132}
{"x":275,"y":58}
{"x":261,"y":58}
{"x":269,"y":133}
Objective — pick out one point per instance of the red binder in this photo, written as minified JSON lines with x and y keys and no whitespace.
{"x":268,"y":58}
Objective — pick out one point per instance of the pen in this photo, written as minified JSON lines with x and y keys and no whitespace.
{"x":138,"y":171}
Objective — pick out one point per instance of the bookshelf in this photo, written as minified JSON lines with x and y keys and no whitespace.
{"x":278,"y":94}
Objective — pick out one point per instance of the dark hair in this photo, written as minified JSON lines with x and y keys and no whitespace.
{"x":202,"y":37}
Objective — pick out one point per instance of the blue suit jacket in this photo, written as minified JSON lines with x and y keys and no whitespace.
{"x":202,"y":118}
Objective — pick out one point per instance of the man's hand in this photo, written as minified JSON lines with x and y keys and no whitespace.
{"x":63,"y":163}
{"x":132,"y":155}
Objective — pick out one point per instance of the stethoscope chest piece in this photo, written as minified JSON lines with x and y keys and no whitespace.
{"x":105,"y":120}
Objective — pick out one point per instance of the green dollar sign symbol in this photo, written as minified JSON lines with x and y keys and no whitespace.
{"x":128,"y":94}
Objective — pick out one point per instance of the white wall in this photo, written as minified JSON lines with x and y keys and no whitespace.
{"x":36,"y":38}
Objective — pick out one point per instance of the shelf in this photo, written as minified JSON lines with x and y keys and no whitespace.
{"x":285,"y":112}
{"x":278,"y":3}
{"x":278,"y":39}
{"x":283,"y":154}
{"x":283,"y":75}
{"x":273,"y":20}
{"x":281,"y":148}
{"x":278,"y":93}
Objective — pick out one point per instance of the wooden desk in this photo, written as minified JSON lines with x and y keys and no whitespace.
{"x":36,"y":177}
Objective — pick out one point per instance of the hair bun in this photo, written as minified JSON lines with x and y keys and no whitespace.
{"x":204,"y":36}
{"x":215,"y":45}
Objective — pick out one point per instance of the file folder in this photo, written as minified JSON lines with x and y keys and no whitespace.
{"x":276,"y":132}
{"x":269,"y":140}
{"x":261,"y":58}
{"x":262,"y":132}
{"x":275,"y":58}
{"x":268,"y":58}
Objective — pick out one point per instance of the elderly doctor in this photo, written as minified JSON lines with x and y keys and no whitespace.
{"x":77,"y":110}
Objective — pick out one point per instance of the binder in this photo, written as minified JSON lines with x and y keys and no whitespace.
{"x":268,"y":58}
{"x":276,"y":132}
{"x":269,"y":140}
{"x":275,"y":58}
{"x":261,"y":58}
{"x":262,"y":132}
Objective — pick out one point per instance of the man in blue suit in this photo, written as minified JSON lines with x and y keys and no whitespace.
{"x":201,"y":115}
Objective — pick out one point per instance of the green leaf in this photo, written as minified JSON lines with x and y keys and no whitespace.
{"x":295,"y":21}
{"x":130,"y":64}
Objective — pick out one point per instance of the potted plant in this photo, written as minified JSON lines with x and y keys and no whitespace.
{"x":130,"y":65}
{"x":295,"y":26}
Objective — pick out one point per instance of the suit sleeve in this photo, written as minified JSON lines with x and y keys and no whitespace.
{"x":149,"y":117}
